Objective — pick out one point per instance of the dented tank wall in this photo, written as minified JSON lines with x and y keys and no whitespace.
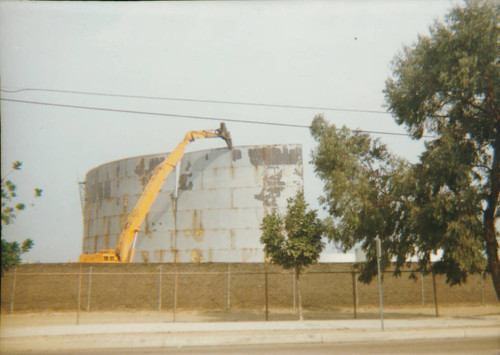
{"x":222,"y":197}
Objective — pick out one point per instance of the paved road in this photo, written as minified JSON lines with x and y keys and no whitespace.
{"x":476,"y":346}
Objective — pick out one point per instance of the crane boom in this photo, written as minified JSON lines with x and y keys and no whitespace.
{"x":125,"y":249}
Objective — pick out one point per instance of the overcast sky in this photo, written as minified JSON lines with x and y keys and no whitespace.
{"x":325,"y":54}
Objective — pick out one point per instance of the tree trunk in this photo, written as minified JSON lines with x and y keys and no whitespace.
{"x":493,"y":261}
{"x":297,"y":278}
{"x":490,"y":234}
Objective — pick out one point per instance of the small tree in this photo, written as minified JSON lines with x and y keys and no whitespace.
{"x":293,"y":241}
{"x":11,"y":251}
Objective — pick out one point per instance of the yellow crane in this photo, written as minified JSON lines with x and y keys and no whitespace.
{"x":124,"y":251}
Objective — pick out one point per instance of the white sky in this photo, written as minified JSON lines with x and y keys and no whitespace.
{"x":322,"y":53}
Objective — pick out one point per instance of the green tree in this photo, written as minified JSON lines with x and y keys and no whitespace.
{"x":371,"y":193}
{"x":11,"y":251}
{"x":365,"y":193}
{"x":447,"y":84}
{"x":293,"y":241}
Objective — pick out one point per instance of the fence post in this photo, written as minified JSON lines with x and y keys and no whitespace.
{"x":423,"y":291}
{"x":88,"y":290}
{"x":13,"y":291}
{"x":159,"y":289}
{"x":435,"y":294}
{"x":228,"y":287}
{"x":357,"y":293}
{"x":175,"y":292}
{"x":354,"y":295}
{"x":379,"y":258}
{"x":267,"y":298}
{"x":482,"y":287}
{"x":79,"y":296}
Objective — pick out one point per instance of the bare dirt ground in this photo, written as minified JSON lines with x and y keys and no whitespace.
{"x":71,"y":318}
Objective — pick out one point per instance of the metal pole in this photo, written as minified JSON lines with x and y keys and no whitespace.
{"x":423,"y":291}
{"x":356,"y":283}
{"x":174,"y":209}
{"x":13,"y":291}
{"x":435,"y":294}
{"x":88,"y":289}
{"x":299,"y":294}
{"x":159,"y":290}
{"x":79,"y":296}
{"x":482,"y":287}
{"x":175,"y":292}
{"x":379,"y":256}
{"x":267,"y":298}
{"x":228,"y":287}
{"x":354,"y":294}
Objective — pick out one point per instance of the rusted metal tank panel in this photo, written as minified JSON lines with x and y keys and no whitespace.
{"x":232,"y":219}
{"x":150,"y":243}
{"x":222,"y":197}
{"x":204,"y":199}
{"x":244,"y":197}
{"x":160,"y":221}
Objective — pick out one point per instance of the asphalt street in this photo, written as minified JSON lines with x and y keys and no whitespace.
{"x":476,"y":346}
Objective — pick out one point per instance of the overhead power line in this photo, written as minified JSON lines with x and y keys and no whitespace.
{"x":199,"y":100}
{"x":164,"y":114}
{"x":154,"y":113}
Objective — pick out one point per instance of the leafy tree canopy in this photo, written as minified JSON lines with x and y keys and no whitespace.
{"x":11,"y":251}
{"x":447,"y":84}
{"x":365,"y":192}
{"x":293,"y":241}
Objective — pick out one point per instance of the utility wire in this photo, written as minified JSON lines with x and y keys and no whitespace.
{"x":199,"y":100}
{"x":155,"y":113}
{"x":162,"y":114}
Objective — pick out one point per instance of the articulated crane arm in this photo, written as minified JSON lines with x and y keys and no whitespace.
{"x":124,"y":251}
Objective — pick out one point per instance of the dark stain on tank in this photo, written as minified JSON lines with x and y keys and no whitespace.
{"x":91,"y":193}
{"x":145,"y":256}
{"x":236,"y":154}
{"x":153,"y":163}
{"x":98,"y":192}
{"x":184,"y":183}
{"x":274,"y":155}
{"x":271,"y":189}
{"x":139,"y":169}
{"x":106,"y":189}
{"x":144,"y":172}
{"x":159,"y":255}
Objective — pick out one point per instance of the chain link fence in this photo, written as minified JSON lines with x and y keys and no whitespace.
{"x":225,"y":287}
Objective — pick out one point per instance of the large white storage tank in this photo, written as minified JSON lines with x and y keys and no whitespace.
{"x":222,"y":196}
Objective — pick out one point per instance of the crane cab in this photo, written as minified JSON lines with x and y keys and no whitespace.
{"x":104,"y":256}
